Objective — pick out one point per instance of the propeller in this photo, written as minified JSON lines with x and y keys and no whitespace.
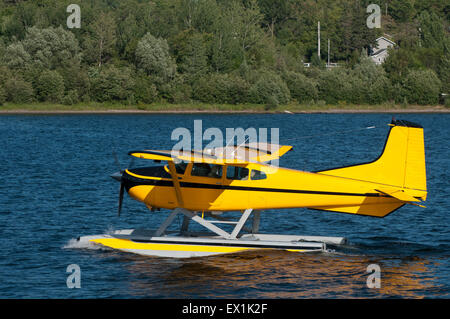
{"x":121,"y":191}
{"x":117,"y":161}
{"x":119,"y":177}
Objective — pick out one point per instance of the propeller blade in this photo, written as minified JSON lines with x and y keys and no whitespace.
{"x":117,"y":161}
{"x":131,"y":163}
{"x":122,"y":188}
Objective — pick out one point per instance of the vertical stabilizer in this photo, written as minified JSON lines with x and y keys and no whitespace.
{"x":401,"y":164}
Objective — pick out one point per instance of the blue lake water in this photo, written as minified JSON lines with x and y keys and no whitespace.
{"x":56,"y":187}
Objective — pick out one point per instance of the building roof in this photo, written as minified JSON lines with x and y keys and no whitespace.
{"x":377,"y":52}
{"x":386,"y":39}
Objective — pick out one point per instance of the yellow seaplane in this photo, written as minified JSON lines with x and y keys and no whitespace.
{"x":201,"y":185}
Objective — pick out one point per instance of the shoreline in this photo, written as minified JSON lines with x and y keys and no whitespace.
{"x":203,"y":108}
{"x":137,"y":111}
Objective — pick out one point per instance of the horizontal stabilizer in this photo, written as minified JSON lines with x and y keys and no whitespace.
{"x":375,"y":209}
{"x":400,"y":194}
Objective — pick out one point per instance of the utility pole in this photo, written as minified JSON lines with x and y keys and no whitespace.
{"x":318,"y":38}
{"x":328,"y":52}
{"x":420,"y":37}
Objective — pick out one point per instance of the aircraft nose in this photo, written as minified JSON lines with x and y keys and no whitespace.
{"x":117,"y":176}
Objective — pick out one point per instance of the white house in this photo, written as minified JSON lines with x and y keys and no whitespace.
{"x":380,"y":53}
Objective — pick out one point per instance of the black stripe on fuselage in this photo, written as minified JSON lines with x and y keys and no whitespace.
{"x":131,"y":181}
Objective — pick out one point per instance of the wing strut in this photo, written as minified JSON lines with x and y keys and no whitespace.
{"x":176,"y":183}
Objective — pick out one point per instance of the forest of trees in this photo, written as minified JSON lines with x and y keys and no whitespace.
{"x":222,"y":51}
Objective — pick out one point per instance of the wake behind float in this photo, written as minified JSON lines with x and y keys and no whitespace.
{"x":201,"y":185}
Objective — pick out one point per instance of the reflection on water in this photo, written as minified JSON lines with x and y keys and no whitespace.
{"x":278,"y":274}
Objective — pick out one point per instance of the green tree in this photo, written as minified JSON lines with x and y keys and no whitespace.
{"x":275,"y":13}
{"x":221,"y":88}
{"x":50,"y":87}
{"x":431,"y":30}
{"x":16,"y":57}
{"x":370,"y":83}
{"x":104,"y":37}
{"x":176,"y":90}
{"x":198,"y":15}
{"x":191,"y":51}
{"x":399,"y":62}
{"x":164,"y":20}
{"x":444,"y":73}
{"x":22,"y":17}
{"x":225,"y":50}
{"x":72,"y":97}
{"x":247,"y":20}
{"x":152,"y":56}
{"x":18,"y":91}
{"x":238,"y":36}
{"x":2,"y":95}
{"x":301,"y":88}
{"x":355,"y":33}
{"x":130,"y":28}
{"x":49,"y":48}
{"x":334,"y":85}
{"x":422,"y":87}
{"x":76,"y":79}
{"x":402,"y":10}
{"x":110,"y":83}
{"x":269,"y":88}
{"x":317,"y":62}
{"x":175,"y":47}
{"x":291,"y":57}
{"x":144,"y":89}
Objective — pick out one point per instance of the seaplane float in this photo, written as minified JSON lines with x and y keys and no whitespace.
{"x":201,"y":185}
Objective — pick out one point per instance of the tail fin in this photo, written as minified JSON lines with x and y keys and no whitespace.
{"x":401,"y":165}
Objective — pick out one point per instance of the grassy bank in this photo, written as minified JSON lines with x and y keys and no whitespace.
{"x":202,"y":107}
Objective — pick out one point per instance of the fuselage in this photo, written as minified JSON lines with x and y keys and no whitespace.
{"x":214,"y":180}
{"x":253,"y":185}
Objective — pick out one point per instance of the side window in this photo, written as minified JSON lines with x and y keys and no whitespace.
{"x":206,"y":170}
{"x":237,"y":173}
{"x":255,"y":175}
{"x":181,"y":168}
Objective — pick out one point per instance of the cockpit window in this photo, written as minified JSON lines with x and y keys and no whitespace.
{"x":206,"y":170}
{"x":237,"y":173}
{"x":255,"y":175}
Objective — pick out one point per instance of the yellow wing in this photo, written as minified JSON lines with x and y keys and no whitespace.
{"x":242,"y":154}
